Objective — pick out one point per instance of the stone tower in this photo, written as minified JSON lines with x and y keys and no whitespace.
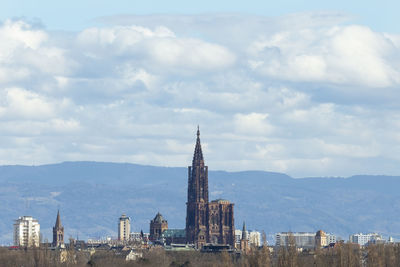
{"x":58,"y":232}
{"x":206,"y":222}
{"x":157,"y":226}
{"x":196,"y":213}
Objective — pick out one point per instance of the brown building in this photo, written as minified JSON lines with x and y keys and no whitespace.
{"x":157,"y":226}
{"x":58,"y":232}
{"x":206,"y":222}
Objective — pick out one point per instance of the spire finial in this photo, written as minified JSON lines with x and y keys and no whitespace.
{"x":198,"y":131}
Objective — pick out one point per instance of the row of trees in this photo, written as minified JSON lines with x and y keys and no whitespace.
{"x":342,"y":255}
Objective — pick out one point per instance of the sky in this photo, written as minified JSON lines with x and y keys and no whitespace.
{"x":308,"y":88}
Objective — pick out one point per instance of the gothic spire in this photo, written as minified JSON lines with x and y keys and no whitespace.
{"x":198,"y":154}
{"x":58,"y":220}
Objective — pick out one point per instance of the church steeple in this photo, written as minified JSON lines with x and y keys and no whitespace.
{"x":58,"y":232}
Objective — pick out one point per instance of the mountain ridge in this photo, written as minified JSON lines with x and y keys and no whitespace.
{"x":92,"y":195}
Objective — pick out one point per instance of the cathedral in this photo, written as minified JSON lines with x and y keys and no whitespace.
{"x":206,"y":222}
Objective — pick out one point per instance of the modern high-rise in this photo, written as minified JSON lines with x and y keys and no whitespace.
{"x":26,"y":232}
{"x":58,"y":232}
{"x":124,"y":228}
{"x":206,"y":222}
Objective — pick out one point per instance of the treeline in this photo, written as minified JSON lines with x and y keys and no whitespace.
{"x":342,"y":255}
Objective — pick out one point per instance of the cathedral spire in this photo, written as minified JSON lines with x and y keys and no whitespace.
{"x":198,"y":153}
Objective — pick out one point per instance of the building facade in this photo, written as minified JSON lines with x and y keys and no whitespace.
{"x":124,"y":228}
{"x":26,"y":232}
{"x":363,"y":239}
{"x":331,"y":238}
{"x":58,"y":232}
{"x":321,"y":239}
{"x":174,"y":236}
{"x":206,"y":222}
{"x":254,"y":238}
{"x":157,"y":226}
{"x":301,"y":239}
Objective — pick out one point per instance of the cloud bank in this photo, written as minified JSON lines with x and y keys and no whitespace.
{"x":306,"y":94}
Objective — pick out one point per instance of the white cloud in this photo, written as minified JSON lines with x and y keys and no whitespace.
{"x":20,"y":103}
{"x":353,"y":55}
{"x":154,"y":48}
{"x":303,"y":94}
{"x":252,"y":124}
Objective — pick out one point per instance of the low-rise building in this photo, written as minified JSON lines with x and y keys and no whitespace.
{"x":362,"y":239}
{"x":253,"y":236}
{"x":174,"y":236}
{"x":300,"y":239}
{"x":331,"y":238}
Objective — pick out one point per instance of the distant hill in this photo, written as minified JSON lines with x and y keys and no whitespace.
{"x":92,"y":195}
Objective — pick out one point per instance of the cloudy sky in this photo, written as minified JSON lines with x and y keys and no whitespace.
{"x":306,"y":89}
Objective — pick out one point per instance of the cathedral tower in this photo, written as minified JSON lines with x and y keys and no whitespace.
{"x":58,"y":232}
{"x":206,"y":222}
{"x":196,"y":213}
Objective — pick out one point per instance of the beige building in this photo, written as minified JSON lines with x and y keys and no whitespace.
{"x":321,"y":239}
{"x":26,"y":232}
{"x":124,"y":228}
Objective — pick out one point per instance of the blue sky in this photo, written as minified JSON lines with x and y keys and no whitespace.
{"x":75,"y":15}
{"x":308,"y":88}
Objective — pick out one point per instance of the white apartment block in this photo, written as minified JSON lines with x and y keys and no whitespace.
{"x":330,"y":238}
{"x":137,"y":236}
{"x":26,"y":232}
{"x":301,"y":239}
{"x":363,"y":239}
{"x":124,"y":228}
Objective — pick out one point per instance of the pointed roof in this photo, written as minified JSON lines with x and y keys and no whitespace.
{"x":159,"y":218}
{"x":58,"y":220}
{"x":244,"y":232}
{"x":198,"y":153}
